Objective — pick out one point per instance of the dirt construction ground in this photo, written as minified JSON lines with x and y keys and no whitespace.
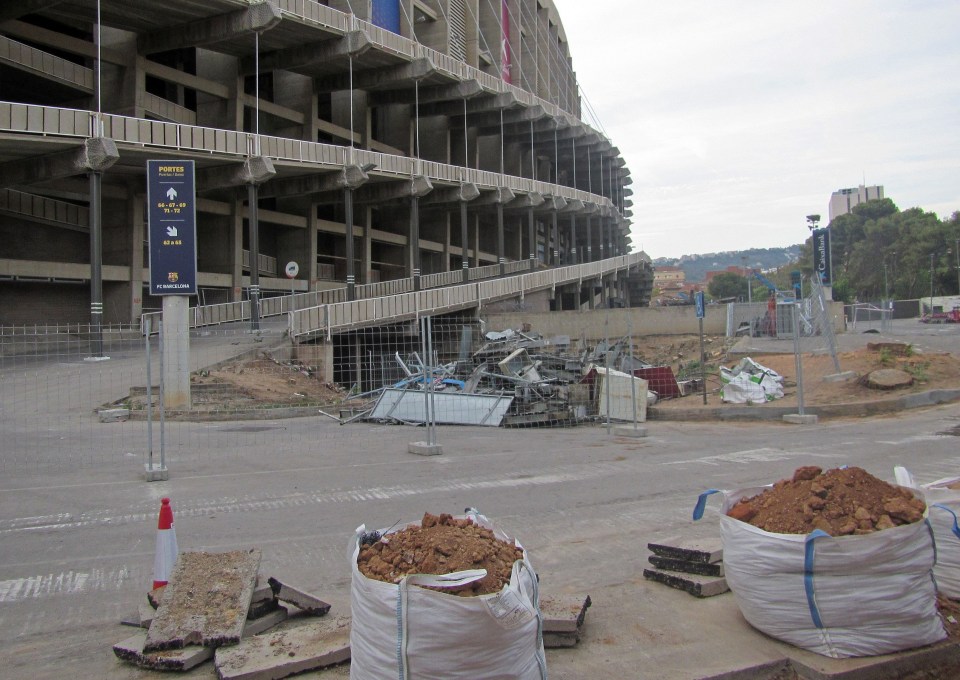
{"x":261,"y":381}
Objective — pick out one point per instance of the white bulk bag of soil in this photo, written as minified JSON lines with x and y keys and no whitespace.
{"x":944,"y":510}
{"x":844,"y":596}
{"x":411,"y":633}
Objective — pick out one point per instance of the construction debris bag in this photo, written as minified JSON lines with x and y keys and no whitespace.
{"x":843,"y":596}
{"x":944,"y":510}
{"x":408,"y":632}
{"x":750,"y":383}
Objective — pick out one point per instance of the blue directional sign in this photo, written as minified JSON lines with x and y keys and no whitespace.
{"x":172,"y":225}
{"x":698,"y":301}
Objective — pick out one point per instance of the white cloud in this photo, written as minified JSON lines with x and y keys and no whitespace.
{"x":738,"y":118}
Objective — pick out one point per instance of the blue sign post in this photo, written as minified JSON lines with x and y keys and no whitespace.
{"x":172,"y":224}
{"x":698,"y":301}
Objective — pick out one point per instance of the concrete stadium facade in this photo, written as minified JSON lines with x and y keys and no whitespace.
{"x":446,"y":133}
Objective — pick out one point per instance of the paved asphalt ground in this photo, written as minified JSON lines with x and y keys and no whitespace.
{"x":77,"y":545}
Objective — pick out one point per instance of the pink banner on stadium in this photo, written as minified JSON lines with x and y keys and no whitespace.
{"x":506,"y":60}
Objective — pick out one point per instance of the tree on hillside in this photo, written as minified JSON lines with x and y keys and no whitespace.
{"x":727,"y":285}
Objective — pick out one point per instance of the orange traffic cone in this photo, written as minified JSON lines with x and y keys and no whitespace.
{"x":166,"y":555}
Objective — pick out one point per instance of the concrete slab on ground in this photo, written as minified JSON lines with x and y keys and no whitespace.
{"x":206,"y":600}
{"x":306,"y":647}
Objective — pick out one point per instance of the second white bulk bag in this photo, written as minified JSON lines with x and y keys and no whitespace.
{"x":843,"y":596}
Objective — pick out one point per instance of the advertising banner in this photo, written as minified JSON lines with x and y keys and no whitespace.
{"x":821,"y":255}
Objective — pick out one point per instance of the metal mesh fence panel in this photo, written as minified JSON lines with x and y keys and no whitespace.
{"x":231,"y":394}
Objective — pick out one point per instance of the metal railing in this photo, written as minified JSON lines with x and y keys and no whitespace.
{"x":330,"y":318}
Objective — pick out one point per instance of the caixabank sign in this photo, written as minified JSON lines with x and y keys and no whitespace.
{"x":821,"y":255}
{"x":172,"y":225}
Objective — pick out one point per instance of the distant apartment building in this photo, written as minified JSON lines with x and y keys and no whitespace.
{"x":843,"y":200}
{"x":668,"y":277}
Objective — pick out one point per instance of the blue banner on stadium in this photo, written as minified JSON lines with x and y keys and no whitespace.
{"x":386,"y":14}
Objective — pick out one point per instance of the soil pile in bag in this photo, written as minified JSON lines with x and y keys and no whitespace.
{"x":441,"y":545}
{"x":839,"y":502}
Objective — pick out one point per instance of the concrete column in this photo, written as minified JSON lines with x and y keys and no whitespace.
{"x":555,"y":240}
{"x":176,"y":352}
{"x":589,"y":254}
{"x":254,"y":224}
{"x":501,"y":258}
{"x":310,"y":266}
{"x":573,"y":240}
{"x":464,"y":244}
{"x":415,"y":240}
{"x":532,"y":238}
{"x":235,"y":244}
{"x":135,"y":212}
{"x":366,"y":244}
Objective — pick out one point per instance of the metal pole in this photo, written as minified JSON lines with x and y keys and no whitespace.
{"x":931,"y":284}
{"x":500,"y":248}
{"x":532,"y":237}
{"x":163,"y":463}
{"x":633,"y":383}
{"x":432,"y":420}
{"x":465,"y":265}
{"x":703,"y":364}
{"x":606,"y":361}
{"x":348,"y":223}
{"x":796,"y":353}
{"x":149,"y":403}
{"x":96,"y":270}
{"x":254,"y":257}
{"x":426,"y":384}
{"x":415,"y":239}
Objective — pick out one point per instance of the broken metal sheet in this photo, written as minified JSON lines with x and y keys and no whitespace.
{"x":449,"y":408}
{"x":519,"y":365}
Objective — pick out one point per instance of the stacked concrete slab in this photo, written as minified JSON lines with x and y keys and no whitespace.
{"x":694,"y":566}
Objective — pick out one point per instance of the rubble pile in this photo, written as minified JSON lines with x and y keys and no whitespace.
{"x":214,"y":607}
{"x":527,"y":380}
{"x":839,"y":502}
{"x":441,"y":545}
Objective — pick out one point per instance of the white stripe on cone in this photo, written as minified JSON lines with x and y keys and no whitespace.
{"x":166,"y":555}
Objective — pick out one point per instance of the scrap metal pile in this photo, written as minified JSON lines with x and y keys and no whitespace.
{"x":514,"y":379}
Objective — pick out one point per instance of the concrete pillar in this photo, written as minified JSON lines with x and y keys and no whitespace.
{"x":573,"y":240}
{"x":235,"y":244}
{"x":366,"y":244}
{"x":589,"y":254}
{"x":135,"y":212}
{"x":176,"y":352}
{"x":310,"y":265}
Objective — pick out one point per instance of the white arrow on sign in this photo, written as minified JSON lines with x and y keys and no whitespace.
{"x":171,"y":231}
{"x":171,"y":193}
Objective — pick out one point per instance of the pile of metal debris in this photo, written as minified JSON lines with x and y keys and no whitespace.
{"x":516,"y":378}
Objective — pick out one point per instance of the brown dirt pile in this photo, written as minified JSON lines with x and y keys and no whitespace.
{"x":441,"y":545}
{"x":839,"y":502}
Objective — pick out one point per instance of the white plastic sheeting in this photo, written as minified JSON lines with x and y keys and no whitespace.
{"x":408,"y":632}
{"x":843,"y":596}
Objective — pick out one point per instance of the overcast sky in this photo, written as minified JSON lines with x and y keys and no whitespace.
{"x":737,"y":118}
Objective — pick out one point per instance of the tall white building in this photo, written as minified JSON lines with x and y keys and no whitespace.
{"x":843,"y":200}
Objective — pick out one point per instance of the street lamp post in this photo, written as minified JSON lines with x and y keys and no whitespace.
{"x":956,"y":248}
{"x":931,"y":284}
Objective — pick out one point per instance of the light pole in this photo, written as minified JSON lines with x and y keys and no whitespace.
{"x":931,"y":284}
{"x":956,"y":249}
